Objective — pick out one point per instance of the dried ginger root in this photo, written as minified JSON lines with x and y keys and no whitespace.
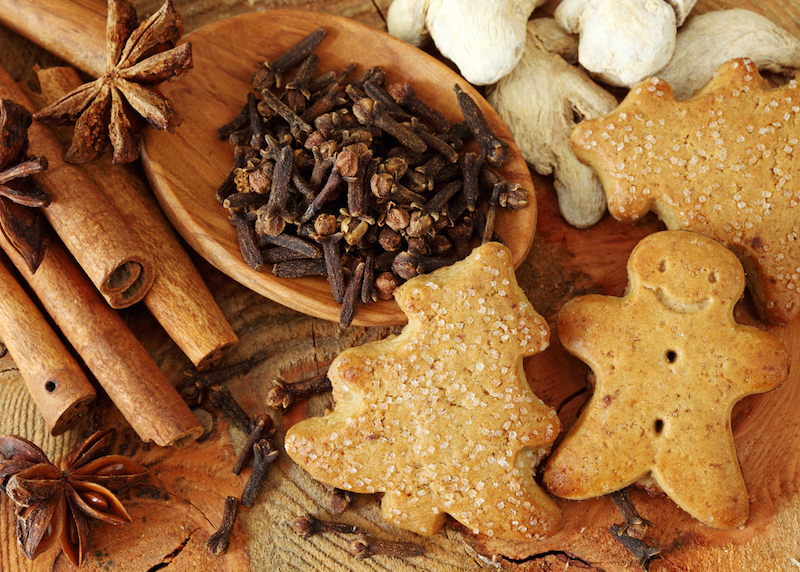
{"x":539,"y":101}
{"x":709,"y":40}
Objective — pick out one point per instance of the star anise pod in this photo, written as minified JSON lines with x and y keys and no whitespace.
{"x":54,"y":505}
{"x":21,"y":222}
{"x":115,"y":106}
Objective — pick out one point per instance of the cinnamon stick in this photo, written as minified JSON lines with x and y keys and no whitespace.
{"x":110,"y":351}
{"x":89,"y":225}
{"x":55,"y":25}
{"x":179,"y":298}
{"x":54,"y":379}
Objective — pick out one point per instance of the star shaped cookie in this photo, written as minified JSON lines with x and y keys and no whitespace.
{"x":721,"y":163}
{"x":669,"y":363}
{"x":440,"y":418}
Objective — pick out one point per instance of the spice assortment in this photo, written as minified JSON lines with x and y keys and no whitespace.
{"x":324,"y":164}
{"x":358,"y":179}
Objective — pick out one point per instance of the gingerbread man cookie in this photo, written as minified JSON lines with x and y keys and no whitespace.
{"x":721,"y":163}
{"x":440,"y":418}
{"x":669,"y":363}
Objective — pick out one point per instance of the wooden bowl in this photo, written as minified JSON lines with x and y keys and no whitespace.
{"x":185,"y":168}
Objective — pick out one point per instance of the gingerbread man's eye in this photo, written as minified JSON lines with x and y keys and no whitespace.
{"x":671,"y":356}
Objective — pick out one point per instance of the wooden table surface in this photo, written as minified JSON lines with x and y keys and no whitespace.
{"x":181,"y":503}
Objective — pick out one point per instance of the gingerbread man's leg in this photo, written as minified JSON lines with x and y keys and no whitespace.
{"x":716,"y":469}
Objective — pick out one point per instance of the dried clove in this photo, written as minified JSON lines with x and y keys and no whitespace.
{"x":283,"y":395}
{"x":369,"y":112}
{"x":297,"y":91}
{"x":436,"y":205}
{"x":271,"y":72}
{"x":271,"y":217}
{"x":296,"y":124}
{"x":351,"y":296}
{"x":365,"y":546}
{"x":496,"y":150}
{"x":218,"y":542}
{"x":470,"y":168}
{"x":247,"y":241}
{"x":404,"y":95}
{"x":262,"y":426}
{"x":263,"y":456}
{"x":309,"y":525}
{"x":385,"y":284}
{"x":488,"y":230}
{"x":298,"y":268}
{"x":643,"y":552}
{"x":192,"y":387}
{"x":220,"y":397}
{"x":333,"y":264}
{"x":635,"y":525}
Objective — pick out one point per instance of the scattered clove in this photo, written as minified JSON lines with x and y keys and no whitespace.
{"x":262,"y":427}
{"x":220,"y":397}
{"x":263,"y":456}
{"x":643,"y":552}
{"x":218,"y":542}
{"x":635,"y":525}
{"x":192,"y":387}
{"x":308,"y":525}
{"x":283,"y":395}
{"x":365,"y":547}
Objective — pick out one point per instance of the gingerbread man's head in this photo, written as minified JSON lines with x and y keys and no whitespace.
{"x":687,"y":271}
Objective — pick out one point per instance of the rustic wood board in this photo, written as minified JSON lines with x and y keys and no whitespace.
{"x":182,"y":500}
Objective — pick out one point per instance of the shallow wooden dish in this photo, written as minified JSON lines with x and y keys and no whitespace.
{"x":186,"y":167}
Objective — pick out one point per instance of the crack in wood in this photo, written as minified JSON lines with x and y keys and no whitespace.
{"x":168,"y":558}
{"x":561,"y":555}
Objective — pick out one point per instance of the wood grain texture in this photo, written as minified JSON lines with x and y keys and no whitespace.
{"x":563,"y":263}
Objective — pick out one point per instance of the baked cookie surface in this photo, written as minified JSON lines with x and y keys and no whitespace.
{"x":669,"y":363}
{"x":721,"y":164}
{"x":441,"y":417}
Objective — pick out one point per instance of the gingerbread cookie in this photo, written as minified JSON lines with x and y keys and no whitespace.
{"x":440,"y":418}
{"x":721,"y":163}
{"x":669,"y":363}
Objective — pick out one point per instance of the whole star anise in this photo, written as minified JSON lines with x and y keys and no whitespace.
{"x":54,"y":505}
{"x":115,"y":106}
{"x":21,"y":222}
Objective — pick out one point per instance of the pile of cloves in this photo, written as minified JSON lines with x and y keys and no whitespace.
{"x":359,"y":181}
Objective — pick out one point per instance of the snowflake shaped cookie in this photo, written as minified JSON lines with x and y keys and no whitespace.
{"x":441,"y":418}
{"x":721,"y":163}
{"x":669,"y":363}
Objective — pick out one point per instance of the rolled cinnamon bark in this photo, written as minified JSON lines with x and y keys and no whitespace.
{"x":112,"y":353}
{"x":178,"y":298}
{"x":54,"y":379}
{"x":55,"y":25}
{"x":110,"y":254}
